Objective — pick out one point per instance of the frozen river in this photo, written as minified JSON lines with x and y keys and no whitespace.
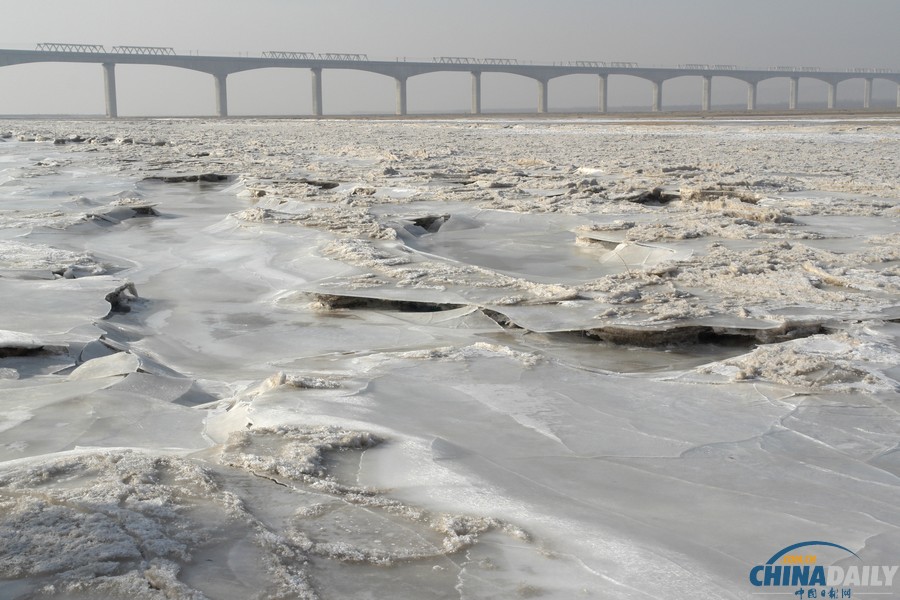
{"x":445,"y":359}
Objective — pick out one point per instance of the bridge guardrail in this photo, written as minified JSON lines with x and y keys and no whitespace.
{"x":60,"y":47}
{"x":144,"y":50}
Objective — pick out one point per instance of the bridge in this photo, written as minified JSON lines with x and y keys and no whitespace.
{"x":220,"y":67}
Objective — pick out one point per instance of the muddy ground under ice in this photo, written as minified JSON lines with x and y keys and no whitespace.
{"x":444,"y":358}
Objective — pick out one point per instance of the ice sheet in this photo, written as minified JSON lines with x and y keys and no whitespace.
{"x":443,"y":359}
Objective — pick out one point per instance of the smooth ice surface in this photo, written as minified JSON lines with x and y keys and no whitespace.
{"x":443,"y":359}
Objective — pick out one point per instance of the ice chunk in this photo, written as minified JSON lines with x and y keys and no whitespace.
{"x":120,"y":363}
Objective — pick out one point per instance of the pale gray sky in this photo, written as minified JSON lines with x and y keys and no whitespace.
{"x":826,"y":33}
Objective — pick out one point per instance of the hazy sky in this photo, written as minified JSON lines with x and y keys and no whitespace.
{"x":826,"y":33}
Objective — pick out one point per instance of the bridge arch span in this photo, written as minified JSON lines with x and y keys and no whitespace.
{"x":445,"y":91}
{"x":582,"y":90}
{"x":186,"y":92}
{"x":503,"y":91}
{"x":77,"y":90}
{"x":869,"y":81}
{"x":269,"y":91}
{"x":375,"y":93}
{"x":627,"y":88}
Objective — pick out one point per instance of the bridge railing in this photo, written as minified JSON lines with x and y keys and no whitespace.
{"x":456,"y":60}
{"x":285,"y":55}
{"x":289,"y":55}
{"x":337,"y":56}
{"x":59,"y":47}
{"x":469,"y":60}
{"x":144,"y":50}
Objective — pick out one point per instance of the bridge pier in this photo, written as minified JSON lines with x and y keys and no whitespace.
{"x":751,"y":95}
{"x":109,"y":81}
{"x":832,"y":95}
{"x":867,"y":93}
{"x":476,"y":92}
{"x":543,"y":95}
{"x":221,"y":94}
{"x":401,"y":95}
{"x":794,"y":93}
{"x":316,"y":91}
{"x":706,"y":100}
{"x":603,"y":94}
{"x":898,"y":95}
{"x":657,"y":96}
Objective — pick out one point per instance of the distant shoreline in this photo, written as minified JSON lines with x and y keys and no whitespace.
{"x":881,"y":115}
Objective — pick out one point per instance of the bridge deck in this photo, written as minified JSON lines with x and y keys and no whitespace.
{"x":222,"y":66}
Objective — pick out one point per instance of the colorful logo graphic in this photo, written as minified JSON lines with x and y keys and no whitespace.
{"x":798,"y":567}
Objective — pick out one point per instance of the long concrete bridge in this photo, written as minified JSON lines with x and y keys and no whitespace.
{"x":220,"y":67}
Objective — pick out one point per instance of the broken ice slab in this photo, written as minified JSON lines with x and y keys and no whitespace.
{"x":538,"y":247}
{"x":55,"y":307}
{"x":120,"y":363}
{"x":26,"y":274}
{"x":638,"y":326}
{"x":117,"y":212}
{"x":644,"y":328}
{"x":637,"y":255}
{"x":58,"y":414}
{"x":14,"y":343}
{"x":335,"y":293}
{"x":415,"y":312}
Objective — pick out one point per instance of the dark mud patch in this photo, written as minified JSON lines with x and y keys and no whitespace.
{"x":30,"y":350}
{"x":324,"y":185}
{"x":451,"y":178}
{"x":678,"y":335}
{"x":188,"y":178}
{"x":654,"y":197}
{"x":702,"y":334}
{"x":426,"y":224}
{"x":719,"y":192}
{"x":431,"y":223}
{"x":121,"y":298}
{"x":499,"y":318}
{"x":336,"y":302}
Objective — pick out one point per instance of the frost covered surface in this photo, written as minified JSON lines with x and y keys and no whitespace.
{"x":442,"y":359}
